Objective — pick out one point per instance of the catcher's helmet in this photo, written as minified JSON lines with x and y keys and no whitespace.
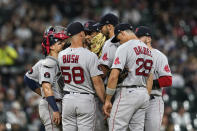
{"x":51,"y":36}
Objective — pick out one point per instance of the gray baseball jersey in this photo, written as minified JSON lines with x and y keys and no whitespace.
{"x":78,"y":65}
{"x":135,"y":56}
{"x":108,"y":53}
{"x":128,"y":110}
{"x":161,"y":68}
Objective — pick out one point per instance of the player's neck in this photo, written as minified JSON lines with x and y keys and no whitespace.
{"x":53,"y":54}
{"x":132,"y":37}
{"x":76,"y":45}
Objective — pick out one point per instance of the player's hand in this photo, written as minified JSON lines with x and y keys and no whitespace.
{"x":107,"y":108}
{"x":56,"y":118}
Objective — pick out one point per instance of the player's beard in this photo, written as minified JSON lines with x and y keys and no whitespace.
{"x":107,"y":35}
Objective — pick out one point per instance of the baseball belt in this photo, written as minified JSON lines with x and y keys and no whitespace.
{"x":133,"y":86}
{"x":67,"y":92}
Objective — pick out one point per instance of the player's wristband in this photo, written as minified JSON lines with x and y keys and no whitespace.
{"x":156,"y":84}
{"x":31,"y":83}
{"x":52,"y":103}
{"x":110,"y":91}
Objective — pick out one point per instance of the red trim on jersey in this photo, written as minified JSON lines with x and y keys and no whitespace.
{"x":50,"y":117}
{"x":165,"y":81}
{"x":94,"y":121}
{"x":116,"y":112}
{"x":160,"y":120}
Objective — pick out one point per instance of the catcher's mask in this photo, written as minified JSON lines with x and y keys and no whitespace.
{"x":51,"y":36}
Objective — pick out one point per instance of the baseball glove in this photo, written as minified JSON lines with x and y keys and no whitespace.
{"x":97,"y":43}
{"x":123,"y":75}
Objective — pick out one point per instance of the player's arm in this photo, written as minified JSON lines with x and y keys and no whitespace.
{"x":149,"y":83}
{"x":47,"y":77}
{"x":48,"y":93}
{"x":112,"y":83}
{"x":33,"y":85}
{"x":110,"y":90}
{"x":118,"y":65}
{"x":95,"y":73}
{"x":31,"y":78}
{"x":99,"y":87}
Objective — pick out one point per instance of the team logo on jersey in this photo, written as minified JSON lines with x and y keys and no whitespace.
{"x":117,"y":61}
{"x":105,"y":57}
{"x":47,"y":75}
{"x":30,"y":71}
{"x":166,"y":68}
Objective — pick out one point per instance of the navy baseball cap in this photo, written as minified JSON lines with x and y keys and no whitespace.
{"x":142,"y":31}
{"x":108,"y":19}
{"x":74,"y":28}
{"x":91,"y":26}
{"x":119,"y":28}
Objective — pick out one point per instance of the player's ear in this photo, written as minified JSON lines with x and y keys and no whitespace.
{"x":82,"y":34}
{"x":122,"y":33}
{"x":109,"y":27}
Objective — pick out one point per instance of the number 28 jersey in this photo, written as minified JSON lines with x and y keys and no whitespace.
{"x":78,"y":65}
{"x":135,"y":56}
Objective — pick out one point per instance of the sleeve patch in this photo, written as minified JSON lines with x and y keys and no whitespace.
{"x":47,"y":75}
{"x":117,"y":61}
{"x":166,"y":68}
{"x":105,"y":57}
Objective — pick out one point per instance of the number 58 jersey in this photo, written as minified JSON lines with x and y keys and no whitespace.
{"x":78,"y":65}
{"x":137,"y":58}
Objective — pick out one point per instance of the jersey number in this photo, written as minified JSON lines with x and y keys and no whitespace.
{"x":144,"y":67}
{"x":77,"y":72}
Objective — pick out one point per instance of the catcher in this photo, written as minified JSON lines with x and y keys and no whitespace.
{"x":47,"y":73}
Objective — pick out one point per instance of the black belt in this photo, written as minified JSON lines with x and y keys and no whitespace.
{"x":133,"y":86}
{"x":67,"y":92}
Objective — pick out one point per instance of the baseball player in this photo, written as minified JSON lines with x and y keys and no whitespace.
{"x":47,"y":73}
{"x":132,"y":95}
{"x":162,"y":78}
{"x":96,"y":40}
{"x":82,"y":79}
{"x":107,"y":25}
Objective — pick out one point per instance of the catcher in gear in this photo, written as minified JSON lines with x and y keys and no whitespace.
{"x":47,"y":73}
{"x":94,"y":39}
